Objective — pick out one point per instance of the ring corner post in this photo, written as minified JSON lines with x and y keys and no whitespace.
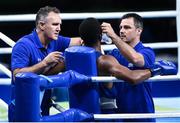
{"x":83,"y":96}
{"x":27,"y":105}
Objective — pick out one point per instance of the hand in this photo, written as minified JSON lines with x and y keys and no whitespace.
{"x":51,"y":60}
{"x":53,"y":57}
{"x":164,"y":68}
{"x":106,"y":28}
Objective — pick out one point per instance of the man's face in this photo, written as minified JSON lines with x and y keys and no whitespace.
{"x":128,"y":32}
{"x":52,"y":26}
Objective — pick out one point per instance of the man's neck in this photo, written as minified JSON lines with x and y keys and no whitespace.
{"x":42,"y":38}
{"x":97,"y":46}
{"x":134,"y":43}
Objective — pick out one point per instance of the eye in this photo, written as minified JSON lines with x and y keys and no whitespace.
{"x":55,"y":24}
{"x":127,"y":27}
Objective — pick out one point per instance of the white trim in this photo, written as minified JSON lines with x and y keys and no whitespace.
{"x":137,"y":115}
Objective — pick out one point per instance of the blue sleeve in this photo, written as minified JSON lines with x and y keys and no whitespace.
{"x":115,"y":53}
{"x":20,"y":56}
{"x":149,"y":57}
{"x":62,"y":43}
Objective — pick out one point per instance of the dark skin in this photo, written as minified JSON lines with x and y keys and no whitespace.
{"x":59,"y":67}
{"x":108,"y":65}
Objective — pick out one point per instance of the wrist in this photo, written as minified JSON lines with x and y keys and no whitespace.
{"x":115,"y":38}
{"x":155,"y":71}
{"x":44,"y":63}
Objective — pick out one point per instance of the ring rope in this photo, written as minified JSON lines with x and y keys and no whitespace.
{"x":167,"y":45}
{"x":5,"y":50}
{"x":5,"y":70}
{"x":6,"y":39}
{"x":138,"y":115}
{"x":7,"y":81}
{"x":102,"y":15}
{"x":156,"y":78}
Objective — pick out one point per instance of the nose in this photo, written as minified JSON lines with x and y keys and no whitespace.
{"x":58,"y":28}
{"x":121,"y":31}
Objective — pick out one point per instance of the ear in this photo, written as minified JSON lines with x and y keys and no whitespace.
{"x":41,"y":25}
{"x":139,"y":31}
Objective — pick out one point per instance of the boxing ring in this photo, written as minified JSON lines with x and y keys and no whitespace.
{"x":112,"y":15}
{"x":29,"y":82}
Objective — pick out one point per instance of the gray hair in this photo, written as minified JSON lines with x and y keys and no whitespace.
{"x":43,"y":13}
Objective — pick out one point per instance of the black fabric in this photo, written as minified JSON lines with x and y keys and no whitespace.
{"x":46,"y":102}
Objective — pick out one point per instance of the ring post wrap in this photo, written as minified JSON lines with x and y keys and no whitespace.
{"x":27,"y":94}
{"x":83,"y":96}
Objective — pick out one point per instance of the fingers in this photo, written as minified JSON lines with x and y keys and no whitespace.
{"x":104,"y":24}
{"x":54,"y":57}
{"x":105,"y":27}
{"x":61,"y":58}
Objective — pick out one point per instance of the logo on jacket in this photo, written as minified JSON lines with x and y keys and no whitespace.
{"x":39,"y":59}
{"x":130,"y":65}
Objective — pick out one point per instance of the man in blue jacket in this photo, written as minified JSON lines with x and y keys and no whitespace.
{"x":40,"y":52}
{"x":133,"y":54}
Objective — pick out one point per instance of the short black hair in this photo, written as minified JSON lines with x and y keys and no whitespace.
{"x":90,"y":31}
{"x":138,"y":21}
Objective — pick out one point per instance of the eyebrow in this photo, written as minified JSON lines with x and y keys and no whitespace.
{"x":125,"y":26}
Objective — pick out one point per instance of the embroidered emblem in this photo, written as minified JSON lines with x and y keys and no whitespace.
{"x":39,"y":59}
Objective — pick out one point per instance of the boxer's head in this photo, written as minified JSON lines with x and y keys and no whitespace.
{"x":90,"y":31}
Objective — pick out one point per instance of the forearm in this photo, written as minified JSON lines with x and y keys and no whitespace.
{"x":139,"y":76}
{"x":131,"y":76}
{"x":128,"y":52}
{"x":60,"y":67}
{"x":159,"y":68}
{"x":37,"y":68}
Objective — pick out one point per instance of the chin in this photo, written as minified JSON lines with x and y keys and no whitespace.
{"x":55,"y":38}
{"x":124,"y":40}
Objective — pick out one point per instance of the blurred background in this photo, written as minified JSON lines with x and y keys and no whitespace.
{"x":155,"y":29}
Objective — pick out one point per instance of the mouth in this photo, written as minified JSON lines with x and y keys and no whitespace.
{"x":122,"y":36}
{"x":56,"y":34}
